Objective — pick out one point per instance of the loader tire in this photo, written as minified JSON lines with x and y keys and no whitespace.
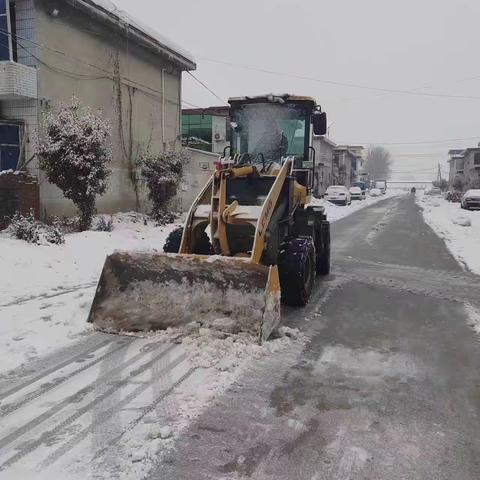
{"x":174,"y":240}
{"x":323,"y":250}
{"x":296,"y":267}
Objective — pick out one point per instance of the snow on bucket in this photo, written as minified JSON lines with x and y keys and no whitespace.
{"x":140,"y":292}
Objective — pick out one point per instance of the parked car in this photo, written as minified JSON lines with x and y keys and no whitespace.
{"x":471,"y":199}
{"x":338,"y":194}
{"x":356,"y":193}
{"x":375,"y":192}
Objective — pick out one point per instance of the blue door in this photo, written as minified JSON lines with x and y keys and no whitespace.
{"x":9,"y":146}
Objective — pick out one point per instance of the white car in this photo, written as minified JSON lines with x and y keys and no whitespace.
{"x":375,"y":192}
{"x":356,"y":193}
{"x":434,"y":192}
{"x":471,"y":199}
{"x":338,"y":194}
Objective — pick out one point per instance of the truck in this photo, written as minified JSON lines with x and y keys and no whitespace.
{"x":382,"y":186}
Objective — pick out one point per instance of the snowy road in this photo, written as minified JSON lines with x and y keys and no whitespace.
{"x":386,"y":385}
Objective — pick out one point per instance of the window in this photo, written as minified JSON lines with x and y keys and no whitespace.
{"x":197,"y":131}
{"x":476,"y":159}
{"x":9,"y":146}
{"x":8,"y":45}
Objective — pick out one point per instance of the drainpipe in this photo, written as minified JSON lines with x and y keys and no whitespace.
{"x":163,"y":109}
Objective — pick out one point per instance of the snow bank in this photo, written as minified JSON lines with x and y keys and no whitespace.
{"x":459,"y":228}
{"x":46,"y":290}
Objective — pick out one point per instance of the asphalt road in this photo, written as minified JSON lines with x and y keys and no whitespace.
{"x":387,"y":386}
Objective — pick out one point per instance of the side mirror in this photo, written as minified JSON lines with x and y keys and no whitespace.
{"x":319,"y":120}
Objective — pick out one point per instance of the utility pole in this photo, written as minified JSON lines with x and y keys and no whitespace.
{"x":439,"y":175}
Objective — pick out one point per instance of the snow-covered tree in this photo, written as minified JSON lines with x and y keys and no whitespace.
{"x":74,"y":152}
{"x":162,"y":174}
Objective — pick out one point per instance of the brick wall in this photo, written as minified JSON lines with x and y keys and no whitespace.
{"x":19,"y":192}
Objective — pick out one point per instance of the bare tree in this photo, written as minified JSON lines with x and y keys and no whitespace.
{"x":379,"y":162}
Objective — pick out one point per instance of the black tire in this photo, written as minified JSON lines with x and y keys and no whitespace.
{"x":172,"y":244}
{"x":323,"y":250}
{"x":296,"y":266}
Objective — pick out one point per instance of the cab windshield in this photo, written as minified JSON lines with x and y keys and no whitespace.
{"x":273,"y":131}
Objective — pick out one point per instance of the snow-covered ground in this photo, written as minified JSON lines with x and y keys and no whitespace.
{"x":46,"y":290}
{"x":459,"y":228}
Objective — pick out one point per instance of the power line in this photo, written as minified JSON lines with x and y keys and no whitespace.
{"x":207,"y":88}
{"x":426,"y":142}
{"x":341,"y":84}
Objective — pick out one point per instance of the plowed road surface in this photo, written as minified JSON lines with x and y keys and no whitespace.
{"x":387,"y":386}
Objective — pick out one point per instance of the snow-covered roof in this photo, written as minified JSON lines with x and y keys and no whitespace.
{"x":118,"y":15}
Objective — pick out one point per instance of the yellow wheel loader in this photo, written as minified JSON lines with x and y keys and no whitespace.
{"x":249,"y":240}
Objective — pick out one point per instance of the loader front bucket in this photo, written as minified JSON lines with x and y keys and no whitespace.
{"x":141,"y":292}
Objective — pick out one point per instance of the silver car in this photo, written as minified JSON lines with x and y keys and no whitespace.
{"x":471,"y":199}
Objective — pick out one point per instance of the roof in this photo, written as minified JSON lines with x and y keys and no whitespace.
{"x":274,"y":98}
{"x":145,"y":33}
{"x":222,"y":111}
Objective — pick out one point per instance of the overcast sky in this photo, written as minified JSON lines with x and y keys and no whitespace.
{"x":429,"y":46}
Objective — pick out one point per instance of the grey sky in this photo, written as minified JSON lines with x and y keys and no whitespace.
{"x":386,"y":44}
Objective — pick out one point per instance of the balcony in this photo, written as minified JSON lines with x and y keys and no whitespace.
{"x":17,"y":81}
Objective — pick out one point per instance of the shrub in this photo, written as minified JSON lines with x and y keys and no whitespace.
{"x":162,"y":174}
{"x":75,"y":153}
{"x":25,"y":228}
{"x":104,"y":224}
{"x":54,"y":233}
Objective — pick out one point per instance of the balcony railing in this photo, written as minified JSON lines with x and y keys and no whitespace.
{"x":17,"y":81}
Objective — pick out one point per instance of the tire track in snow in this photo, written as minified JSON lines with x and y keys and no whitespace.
{"x":52,"y":458}
{"x":7,"y":409}
{"x":74,"y":398}
{"x":47,"y":296}
{"x":51,"y":370}
{"x":45,"y":436}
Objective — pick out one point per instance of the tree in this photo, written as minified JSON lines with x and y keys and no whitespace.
{"x":378,"y":162}
{"x":442,"y":184}
{"x":163,"y":173}
{"x":74,"y":153}
{"x":458,"y":184}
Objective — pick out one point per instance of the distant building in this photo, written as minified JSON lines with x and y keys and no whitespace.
{"x":464,"y":167}
{"x":347,"y":161}
{"x":324,"y":160}
{"x":206,"y":129}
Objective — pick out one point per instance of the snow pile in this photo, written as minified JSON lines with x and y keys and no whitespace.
{"x":337,"y":212}
{"x":46,"y":290}
{"x":473,"y":317}
{"x":462,"y":221}
{"x":459,"y":228}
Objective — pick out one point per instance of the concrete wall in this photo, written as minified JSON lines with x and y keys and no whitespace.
{"x":106,"y":71}
{"x":324,"y":164}
{"x":198,"y":171}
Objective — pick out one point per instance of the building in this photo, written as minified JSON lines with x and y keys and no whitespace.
{"x":56,"y":49}
{"x":346,"y":161}
{"x":324,"y":160}
{"x":206,"y":129}
{"x":464,"y":168}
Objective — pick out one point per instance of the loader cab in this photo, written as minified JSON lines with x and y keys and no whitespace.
{"x":269,"y":128}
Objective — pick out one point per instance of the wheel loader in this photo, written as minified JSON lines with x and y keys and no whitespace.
{"x":250,"y":240}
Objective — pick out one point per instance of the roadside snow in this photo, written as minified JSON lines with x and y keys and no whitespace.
{"x":337,"y":212}
{"x":46,"y":290}
{"x":459,"y":228}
